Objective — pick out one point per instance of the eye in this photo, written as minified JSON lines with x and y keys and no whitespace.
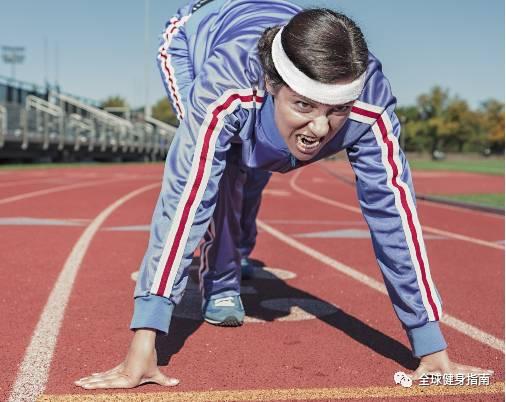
{"x":303,"y":106}
{"x":341,"y":109}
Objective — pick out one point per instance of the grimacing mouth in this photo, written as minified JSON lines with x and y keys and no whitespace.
{"x":309,"y":140}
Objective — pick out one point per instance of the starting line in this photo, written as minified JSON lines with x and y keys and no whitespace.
{"x":288,"y":394}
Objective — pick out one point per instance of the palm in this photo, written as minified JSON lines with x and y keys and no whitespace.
{"x":440,"y":363}
{"x":138,"y":368}
{"x":118,"y":377}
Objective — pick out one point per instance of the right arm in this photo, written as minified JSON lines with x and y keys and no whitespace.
{"x":194,"y":165}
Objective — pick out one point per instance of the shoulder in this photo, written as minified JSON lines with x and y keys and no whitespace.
{"x":377,"y":90}
{"x":376,"y":96}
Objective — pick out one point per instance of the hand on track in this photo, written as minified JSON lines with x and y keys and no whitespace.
{"x":138,"y":368}
{"x":440,"y":363}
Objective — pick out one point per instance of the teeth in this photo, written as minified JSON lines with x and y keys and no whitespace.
{"x":309,"y":139}
{"x":308,"y":143}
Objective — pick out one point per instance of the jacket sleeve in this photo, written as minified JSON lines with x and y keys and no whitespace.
{"x":174,"y":61}
{"x":387,"y":199}
{"x":217,"y":107}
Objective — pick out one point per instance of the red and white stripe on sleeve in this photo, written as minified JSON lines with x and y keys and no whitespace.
{"x":381,"y":124}
{"x":197,"y":182}
{"x":167,"y":69}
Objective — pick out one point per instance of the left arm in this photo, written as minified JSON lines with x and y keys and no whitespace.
{"x":386,"y":195}
{"x":387,"y":199}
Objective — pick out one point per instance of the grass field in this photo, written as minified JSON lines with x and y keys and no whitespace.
{"x":495,"y":200}
{"x":492,"y":165}
{"x":465,"y":163}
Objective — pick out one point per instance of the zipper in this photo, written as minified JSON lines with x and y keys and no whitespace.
{"x":293,"y":161}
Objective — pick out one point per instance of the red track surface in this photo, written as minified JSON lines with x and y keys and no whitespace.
{"x":361,"y":344}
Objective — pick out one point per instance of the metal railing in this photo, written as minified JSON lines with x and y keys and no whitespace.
{"x":48,"y":128}
{"x":3,"y":125}
{"x":43,"y":123}
{"x":82,"y":131}
{"x":113,"y":131}
{"x":160,"y":140}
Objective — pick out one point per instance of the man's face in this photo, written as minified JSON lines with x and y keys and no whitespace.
{"x":306,"y":125}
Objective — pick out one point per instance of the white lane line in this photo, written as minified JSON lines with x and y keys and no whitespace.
{"x":27,"y":221}
{"x":279,"y":193}
{"x":429,"y":229}
{"x":458,"y":325}
{"x":53,"y":190}
{"x":34,"y":369}
{"x":31,"y":181}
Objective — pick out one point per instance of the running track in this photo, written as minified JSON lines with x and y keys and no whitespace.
{"x":319,"y":328}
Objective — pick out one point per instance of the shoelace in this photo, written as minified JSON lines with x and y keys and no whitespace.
{"x":225,"y":302}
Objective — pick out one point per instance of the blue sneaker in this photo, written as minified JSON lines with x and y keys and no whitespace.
{"x":247,"y":268}
{"x":225,"y":311}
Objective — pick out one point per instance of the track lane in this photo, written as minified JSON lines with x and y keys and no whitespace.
{"x":457,"y":266}
{"x":33,"y":256}
{"x":33,"y":372}
{"x":319,"y":353}
{"x":439,"y":181}
{"x":298,"y":355}
{"x":434,"y":220}
{"x":31,"y":260}
{"x":275,"y":352}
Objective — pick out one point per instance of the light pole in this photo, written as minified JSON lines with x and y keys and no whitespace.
{"x":13,"y":55}
{"x":147,"y":107}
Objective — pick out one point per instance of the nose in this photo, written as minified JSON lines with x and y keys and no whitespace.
{"x":319,"y":126}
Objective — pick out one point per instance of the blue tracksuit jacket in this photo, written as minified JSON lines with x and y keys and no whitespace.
{"x":210,"y":67}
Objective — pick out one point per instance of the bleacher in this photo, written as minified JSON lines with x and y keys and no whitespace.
{"x":45,"y":124}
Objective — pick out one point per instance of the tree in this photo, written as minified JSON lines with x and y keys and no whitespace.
{"x":114,"y":101}
{"x":433,"y":113}
{"x":163,"y":111}
{"x":441,"y":122}
{"x":492,"y":121}
{"x":463,"y":125}
{"x":412,"y":138}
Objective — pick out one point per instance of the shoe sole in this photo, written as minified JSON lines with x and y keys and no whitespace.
{"x":227,"y":322}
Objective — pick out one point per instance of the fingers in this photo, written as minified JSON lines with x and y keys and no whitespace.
{"x":119,"y":367}
{"x":96,"y":379}
{"x":115,"y":380}
{"x":116,"y":369}
{"x":121,"y":380}
{"x":463,"y":369}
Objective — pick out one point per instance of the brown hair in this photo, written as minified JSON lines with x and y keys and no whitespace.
{"x":325,"y":45}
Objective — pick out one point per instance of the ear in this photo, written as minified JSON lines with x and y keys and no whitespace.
{"x":269,"y":87}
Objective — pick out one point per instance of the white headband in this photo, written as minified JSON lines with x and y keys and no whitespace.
{"x":329,"y":94}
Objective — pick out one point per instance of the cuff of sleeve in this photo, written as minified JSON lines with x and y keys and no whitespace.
{"x":426,"y":339}
{"x":153,"y":312}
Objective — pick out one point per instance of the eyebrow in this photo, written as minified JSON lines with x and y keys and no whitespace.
{"x":302,"y":97}
{"x":312,"y":102}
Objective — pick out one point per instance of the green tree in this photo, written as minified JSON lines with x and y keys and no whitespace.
{"x":463,"y":126}
{"x":412,"y":138}
{"x":492,"y":122}
{"x":435,"y":125}
{"x":163,"y":111}
{"x":114,"y":101}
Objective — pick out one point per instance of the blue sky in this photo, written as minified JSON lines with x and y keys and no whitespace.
{"x":456,"y":44}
